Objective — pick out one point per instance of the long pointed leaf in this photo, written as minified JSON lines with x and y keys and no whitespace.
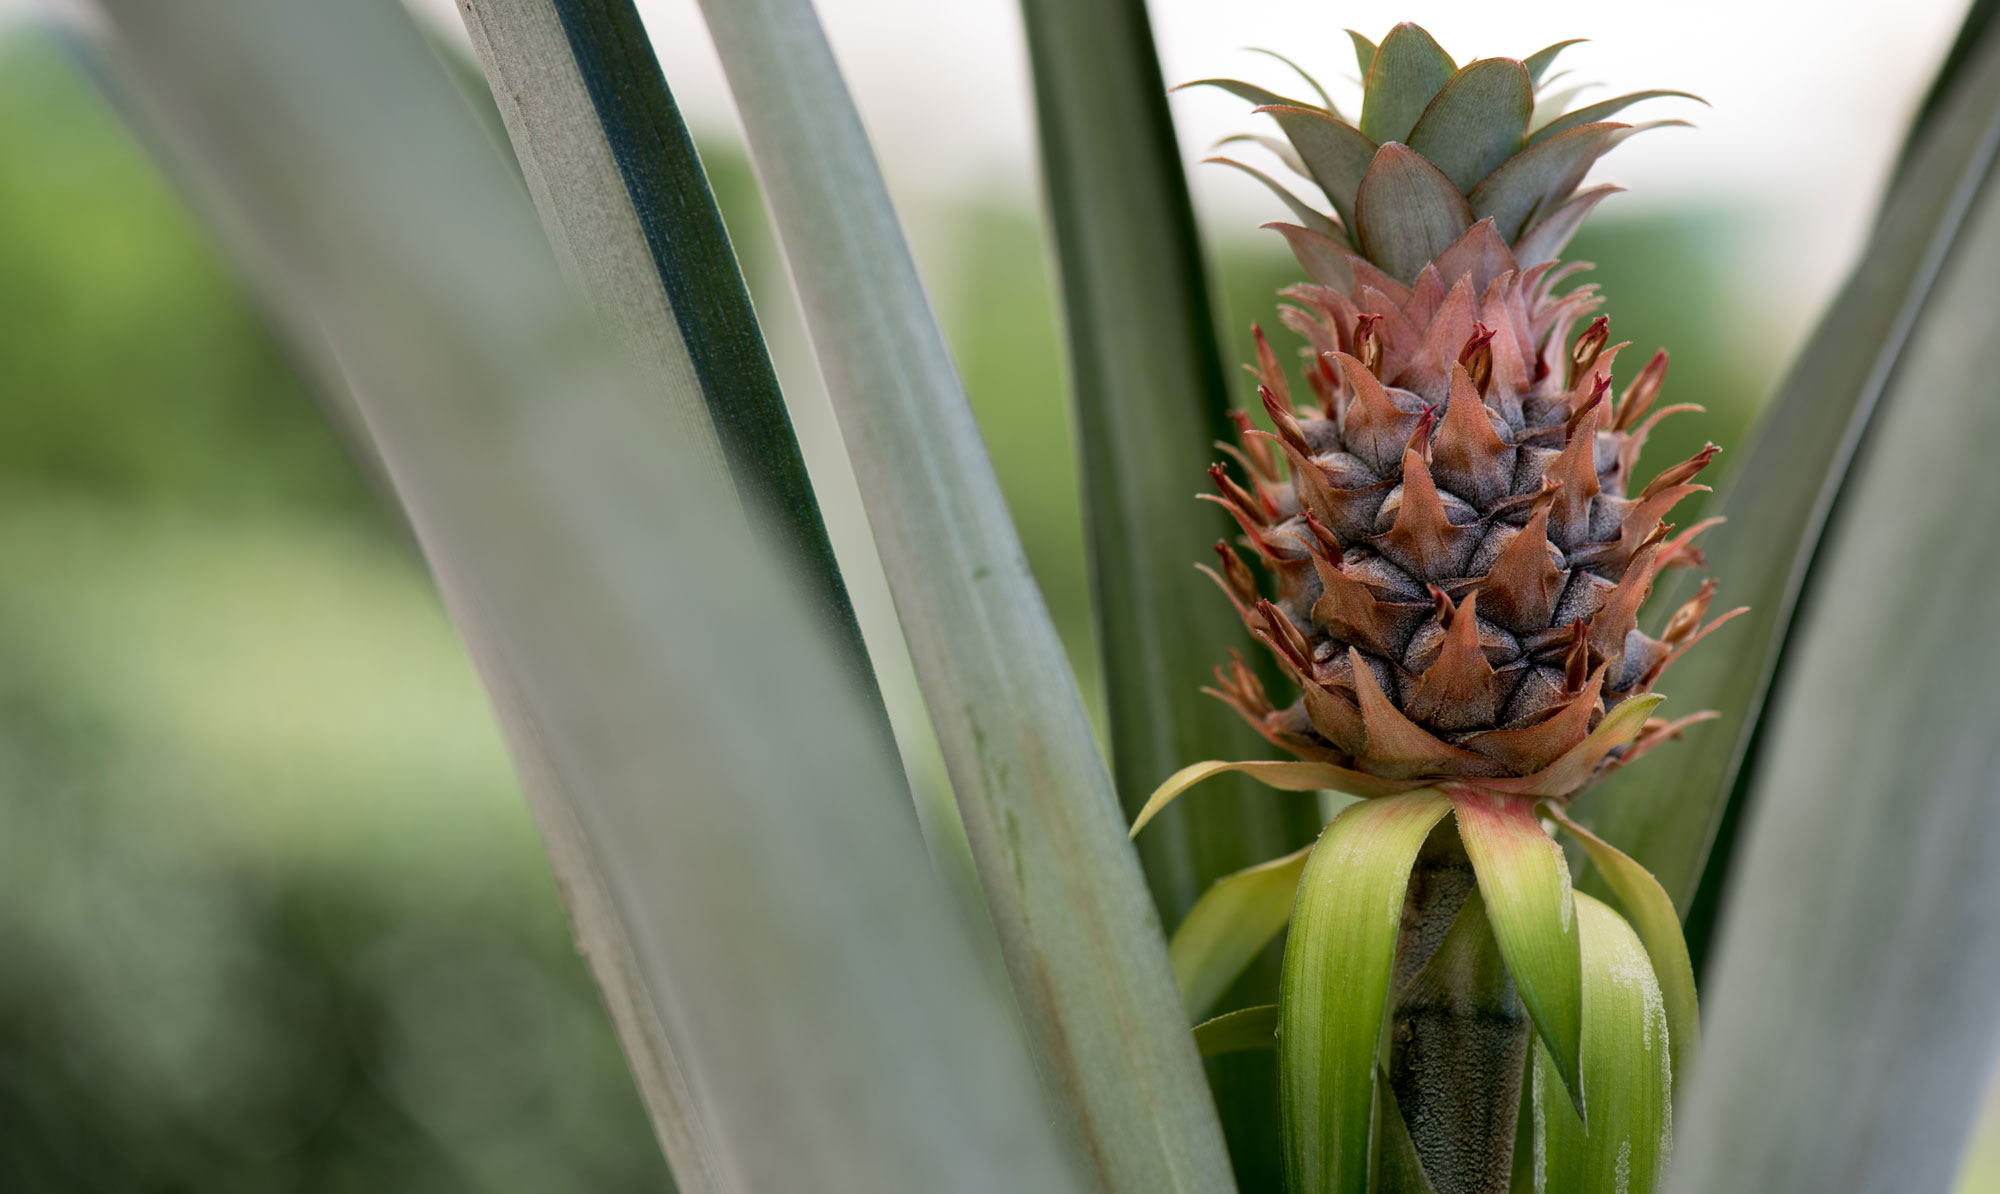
{"x":1079,"y":936}
{"x":1336,"y":986}
{"x":1782,"y":488}
{"x":1525,"y":881}
{"x":1230,"y":925}
{"x":1626,"y":1075}
{"x":1335,"y":153}
{"x":1240,"y":1031}
{"x":1540,"y":178}
{"x":1601,"y":110}
{"x":619,"y":187}
{"x":791,"y":1032}
{"x":1538,"y":63}
{"x":1851,"y":1025}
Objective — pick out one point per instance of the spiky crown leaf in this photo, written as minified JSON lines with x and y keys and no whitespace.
{"x":1459,"y":551}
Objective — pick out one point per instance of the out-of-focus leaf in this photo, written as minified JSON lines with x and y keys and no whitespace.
{"x":1336,"y":985}
{"x":1407,"y":212}
{"x":1850,"y":1022}
{"x":627,"y":205}
{"x":1659,"y":926}
{"x":1525,"y":882}
{"x":793,"y":994}
{"x":1238,"y":1031}
{"x":1476,"y":122}
{"x":1964,"y":49}
{"x":1601,"y":110}
{"x":1080,"y":939}
{"x":1409,"y":68}
{"x":1665,"y":812}
{"x":1626,"y":1075}
{"x":1230,"y":925}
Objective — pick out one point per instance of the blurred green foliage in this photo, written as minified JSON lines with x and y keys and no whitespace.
{"x":273,"y":913}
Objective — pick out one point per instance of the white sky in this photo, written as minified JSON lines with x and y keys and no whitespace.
{"x":1810,"y":99}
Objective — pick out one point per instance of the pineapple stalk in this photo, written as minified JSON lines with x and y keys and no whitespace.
{"x":1458,"y":547}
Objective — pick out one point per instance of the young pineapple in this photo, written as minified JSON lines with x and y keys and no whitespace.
{"x":1460,"y":552}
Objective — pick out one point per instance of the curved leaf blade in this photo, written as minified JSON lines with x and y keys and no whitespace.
{"x":1286,"y":775}
{"x":1230,"y":925}
{"x":1260,"y":96}
{"x":1602,"y":110}
{"x":1779,"y":496}
{"x":1858,"y":937}
{"x":1401,"y":1171}
{"x":1336,"y":985}
{"x":1405,"y":73}
{"x":1240,"y":1031}
{"x":1538,"y":63}
{"x":1525,"y":882}
{"x":578,"y":554}
{"x":1650,"y":912}
{"x":1406,"y":212}
{"x":1631,"y":1121}
{"x":1305,"y":213}
{"x":1477,"y":122}
{"x":1080,"y":937}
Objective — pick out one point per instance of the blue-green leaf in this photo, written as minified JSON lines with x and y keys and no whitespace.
{"x":1336,"y":985}
{"x":1335,"y":153}
{"x":1525,"y":881}
{"x":1407,"y":72}
{"x":1406,"y":212}
{"x":1477,"y":122}
{"x":1364,"y":52}
{"x":1248,"y":91}
{"x":1325,"y":99}
{"x":1602,"y":110}
{"x":1540,"y":178}
{"x":1538,"y":63}
{"x":1626,"y":1074}
{"x":1230,"y":925}
{"x":1318,"y":221}
{"x":1069,"y":903}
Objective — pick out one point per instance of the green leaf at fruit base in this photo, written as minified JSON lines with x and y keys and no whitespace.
{"x":1849,"y":1027}
{"x":1239,"y":1031}
{"x":1230,"y":925}
{"x":791,"y":986}
{"x":1626,"y":1075}
{"x":1525,"y":882}
{"x":1338,"y":959}
{"x":1652,"y":914}
{"x":1783,"y":486}
{"x":1080,"y":938}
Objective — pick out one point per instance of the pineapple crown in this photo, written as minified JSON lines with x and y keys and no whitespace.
{"x":1438,"y":147}
{"x":1460,"y":552}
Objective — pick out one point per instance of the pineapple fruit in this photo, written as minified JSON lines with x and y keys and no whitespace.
{"x":1459,"y":552}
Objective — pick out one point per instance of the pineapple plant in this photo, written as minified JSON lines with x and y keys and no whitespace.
{"x":1458,"y":550}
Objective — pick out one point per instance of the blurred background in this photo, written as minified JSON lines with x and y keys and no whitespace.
{"x":272,"y":913}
